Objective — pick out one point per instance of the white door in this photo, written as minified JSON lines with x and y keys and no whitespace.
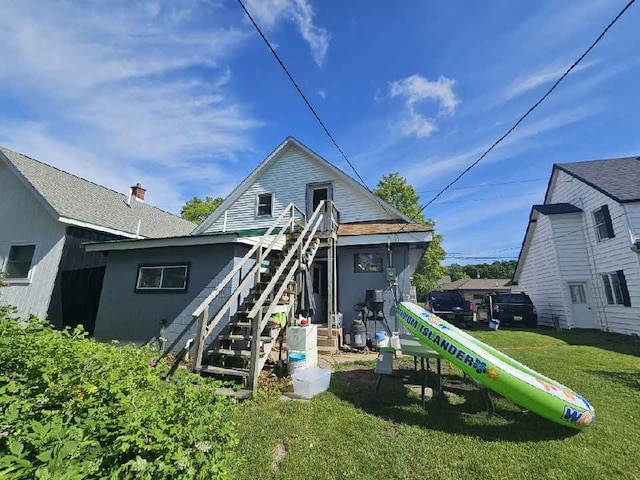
{"x":582,"y":312}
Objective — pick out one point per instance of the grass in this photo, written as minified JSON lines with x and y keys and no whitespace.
{"x":349,"y":433}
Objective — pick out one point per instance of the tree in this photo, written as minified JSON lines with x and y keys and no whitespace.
{"x":497,"y":269}
{"x":394,"y":189}
{"x":457,"y":272}
{"x":197,"y":210}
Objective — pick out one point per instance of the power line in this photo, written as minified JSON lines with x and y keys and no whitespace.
{"x":489,"y":184}
{"x":486,"y":198}
{"x":308,"y":103}
{"x":527,"y":113}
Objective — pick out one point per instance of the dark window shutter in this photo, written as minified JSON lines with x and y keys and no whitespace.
{"x":607,"y":221}
{"x":625,"y":290}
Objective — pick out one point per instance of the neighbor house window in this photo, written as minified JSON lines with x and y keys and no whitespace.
{"x":265,"y":205}
{"x":603,"y":224}
{"x":162,"y":278}
{"x":367,"y":263}
{"x":615,"y":288}
{"x":19,"y":262}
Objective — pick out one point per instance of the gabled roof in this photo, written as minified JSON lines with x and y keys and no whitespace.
{"x":73,"y":200}
{"x":255,"y":174}
{"x":618,"y":178}
{"x":477,"y":284}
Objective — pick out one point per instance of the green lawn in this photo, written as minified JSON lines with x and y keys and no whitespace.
{"x":348,"y":433}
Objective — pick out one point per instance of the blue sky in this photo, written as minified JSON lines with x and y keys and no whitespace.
{"x":183,"y":96}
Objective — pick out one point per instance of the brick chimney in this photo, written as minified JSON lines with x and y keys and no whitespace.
{"x":137,"y":192}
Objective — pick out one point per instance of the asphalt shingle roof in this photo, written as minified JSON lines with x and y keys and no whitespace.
{"x":618,"y":178}
{"x":556,"y":208}
{"x":477,"y":284}
{"x":85,"y":201}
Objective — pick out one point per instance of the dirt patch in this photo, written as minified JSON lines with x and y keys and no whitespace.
{"x":278,"y":456}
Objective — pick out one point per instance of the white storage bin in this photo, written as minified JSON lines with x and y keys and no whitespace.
{"x":311,"y":381}
{"x":311,"y":357}
{"x":301,"y":339}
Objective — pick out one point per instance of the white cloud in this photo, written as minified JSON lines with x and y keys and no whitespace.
{"x":416,"y":89}
{"x":124,"y":92}
{"x":322,"y":94}
{"x":268,"y":13}
{"x":543,"y":76}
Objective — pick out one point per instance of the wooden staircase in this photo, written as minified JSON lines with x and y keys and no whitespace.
{"x":225,"y":344}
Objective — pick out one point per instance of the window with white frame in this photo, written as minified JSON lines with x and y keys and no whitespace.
{"x":603,"y":223}
{"x":615,"y":288}
{"x":19,"y":262}
{"x":265,"y":205}
{"x":155,"y":278}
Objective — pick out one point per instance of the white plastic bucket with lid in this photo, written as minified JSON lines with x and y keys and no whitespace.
{"x":494,"y":323}
{"x":382,"y":340}
{"x":297,"y":362}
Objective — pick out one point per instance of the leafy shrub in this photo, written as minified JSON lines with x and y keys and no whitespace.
{"x":71,"y":408}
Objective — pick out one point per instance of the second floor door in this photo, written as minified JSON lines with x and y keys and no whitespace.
{"x":316,"y":193}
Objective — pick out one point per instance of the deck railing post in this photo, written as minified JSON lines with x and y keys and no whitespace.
{"x":254,"y":361}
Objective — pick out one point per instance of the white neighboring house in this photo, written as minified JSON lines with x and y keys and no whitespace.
{"x":45,"y":216}
{"x":580,"y":258}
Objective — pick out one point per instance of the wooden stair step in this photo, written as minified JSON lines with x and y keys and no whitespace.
{"x":235,"y":372}
{"x":234,"y":353}
{"x":241,"y":336}
{"x":327,"y":342}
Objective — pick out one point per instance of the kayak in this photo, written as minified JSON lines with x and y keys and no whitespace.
{"x":497,"y":371}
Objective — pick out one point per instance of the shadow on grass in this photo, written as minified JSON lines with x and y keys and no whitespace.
{"x":627,"y":379}
{"x":614,"y":342}
{"x":398,"y":404}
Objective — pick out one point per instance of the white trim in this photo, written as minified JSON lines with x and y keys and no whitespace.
{"x":98,"y":228}
{"x":161,"y":242}
{"x":22,"y":280}
{"x":249,"y":180}
{"x":384,"y":238}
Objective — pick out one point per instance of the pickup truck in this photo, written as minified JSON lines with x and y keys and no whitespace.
{"x":509,"y":308}
{"x":450,"y":305}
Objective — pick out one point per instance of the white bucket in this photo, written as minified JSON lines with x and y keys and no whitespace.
{"x":297,"y":362}
{"x":494,"y":324}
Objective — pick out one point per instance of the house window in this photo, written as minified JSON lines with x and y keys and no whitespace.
{"x":155,"y":278}
{"x":615,"y":288}
{"x":19,"y":263}
{"x":603,"y":224}
{"x":367,"y":263}
{"x":265,"y":205}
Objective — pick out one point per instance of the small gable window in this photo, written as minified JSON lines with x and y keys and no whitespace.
{"x":603,"y":224}
{"x":265,"y":205}
{"x":19,"y":262}
{"x":159,"y":278}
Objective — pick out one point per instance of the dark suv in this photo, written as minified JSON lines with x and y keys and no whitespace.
{"x":450,"y":305}
{"x":509,"y":308}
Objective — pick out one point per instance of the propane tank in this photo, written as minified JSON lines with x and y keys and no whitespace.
{"x":358,"y":333}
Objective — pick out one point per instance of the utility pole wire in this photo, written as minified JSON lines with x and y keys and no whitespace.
{"x":521,"y":119}
{"x":308,"y":103}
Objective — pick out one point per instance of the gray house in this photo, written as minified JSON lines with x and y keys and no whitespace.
{"x":45,"y":216}
{"x":221,"y":284}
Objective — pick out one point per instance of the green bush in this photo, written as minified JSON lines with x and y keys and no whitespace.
{"x":71,"y":408}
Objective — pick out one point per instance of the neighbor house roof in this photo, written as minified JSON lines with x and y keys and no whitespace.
{"x":556,"y":208}
{"x":477,"y":284}
{"x":76,"y":201}
{"x":618,"y":178}
{"x":380,"y":226}
{"x":273,"y":156}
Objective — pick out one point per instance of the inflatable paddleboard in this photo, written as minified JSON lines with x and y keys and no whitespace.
{"x":497,"y":371}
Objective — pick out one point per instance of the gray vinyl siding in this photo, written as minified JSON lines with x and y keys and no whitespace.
{"x":287,"y":178}
{"x":540,"y":277}
{"x":23,"y":219}
{"x":608,"y":255}
{"x":131,"y":317}
{"x":353,"y":286}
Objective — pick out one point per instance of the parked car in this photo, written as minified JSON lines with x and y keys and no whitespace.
{"x":450,"y":305}
{"x":509,"y":308}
